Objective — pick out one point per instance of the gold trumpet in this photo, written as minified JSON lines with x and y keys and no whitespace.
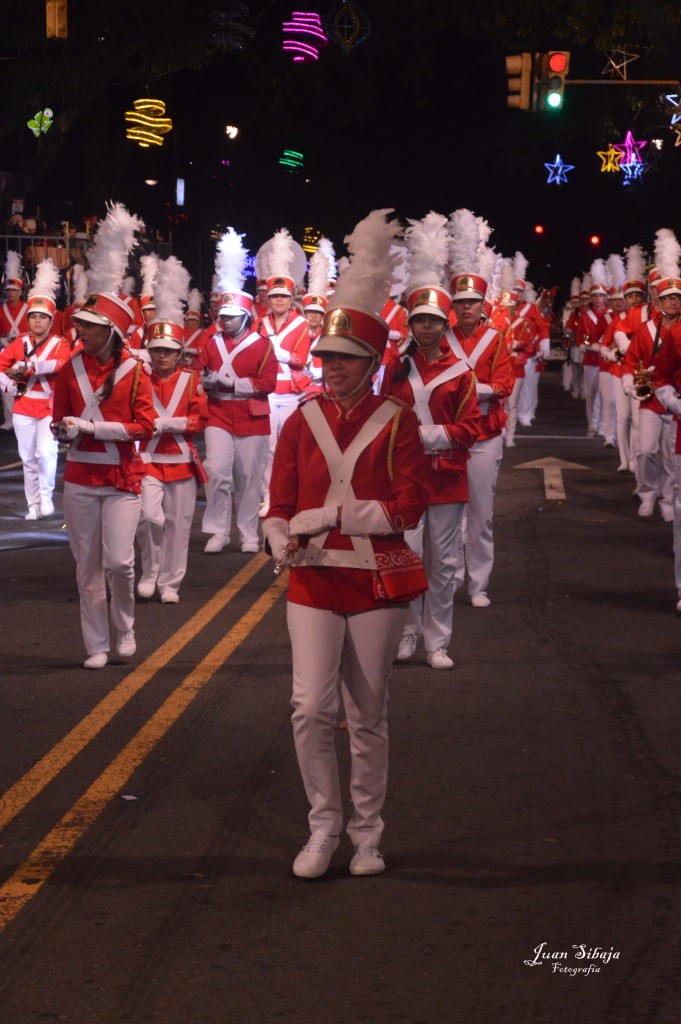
{"x":619,"y":356}
{"x":643,"y":382}
{"x":20,"y":376}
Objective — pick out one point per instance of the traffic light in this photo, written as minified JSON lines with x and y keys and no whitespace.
{"x":557,"y":67}
{"x":56,"y":17}
{"x":519,"y":72}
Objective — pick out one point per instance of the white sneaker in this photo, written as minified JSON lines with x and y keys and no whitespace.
{"x":46,"y":507}
{"x":96,"y":660}
{"x":623,"y":468}
{"x":7,"y":426}
{"x":678,"y":606}
{"x":250,"y":549}
{"x":313,"y":859}
{"x":646,"y":509}
{"x":367,"y":860}
{"x":169,"y":597}
{"x":407,"y":646}
{"x":439,"y":659}
{"x":125,"y":644}
{"x":33,"y":513}
{"x":480,"y":601}
{"x":215,"y":544}
{"x":146,"y":586}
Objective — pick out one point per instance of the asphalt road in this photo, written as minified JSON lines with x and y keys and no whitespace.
{"x":150,"y":812}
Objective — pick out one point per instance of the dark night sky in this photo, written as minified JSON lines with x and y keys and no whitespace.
{"x":412,"y":119}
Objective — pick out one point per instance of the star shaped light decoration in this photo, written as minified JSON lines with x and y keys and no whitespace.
{"x":674,"y":102}
{"x":610,"y":158}
{"x":632,"y":172}
{"x":558,"y":171}
{"x":617,"y":63}
{"x":630,"y":150}
{"x":677,"y":141}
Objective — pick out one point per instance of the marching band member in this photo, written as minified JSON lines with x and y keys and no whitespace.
{"x":528,"y":309}
{"x":655,"y":454}
{"x":314,"y":307}
{"x":441,"y":390}
{"x":289,"y":334}
{"x":137,"y":341}
{"x":193,"y":332}
{"x":637,"y":313}
{"x":28,"y":370}
{"x":667,"y":384}
{"x":239,"y":371}
{"x":600,"y":290}
{"x":13,"y":321}
{"x":172,"y":462}
{"x":591,"y":326}
{"x":103,"y":405}
{"x":484,"y":350}
{"x":261,"y":305}
{"x":519,"y":334}
{"x":79,"y":283}
{"x":615,"y":403}
{"x":568,"y":332}
{"x":346,"y":482}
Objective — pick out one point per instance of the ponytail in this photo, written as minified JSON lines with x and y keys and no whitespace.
{"x":107,"y":386}
{"x":404,"y":369}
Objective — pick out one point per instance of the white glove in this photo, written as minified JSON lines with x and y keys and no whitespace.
{"x":275,"y":533}
{"x":209,"y":379}
{"x":11,"y":389}
{"x":669,"y":399}
{"x":608,"y":354}
{"x":82,"y":426}
{"x":394,"y":335}
{"x":630,"y":390}
{"x":282,"y":355}
{"x":622,"y":341}
{"x":65,"y":431}
{"x":434,"y":437}
{"x":22,"y":366}
{"x":313,"y":520}
{"x":110,"y":430}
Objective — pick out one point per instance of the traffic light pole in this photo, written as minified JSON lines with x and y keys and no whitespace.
{"x":624,"y":81}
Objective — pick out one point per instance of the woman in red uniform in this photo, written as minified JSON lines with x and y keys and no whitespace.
{"x":346,"y":483}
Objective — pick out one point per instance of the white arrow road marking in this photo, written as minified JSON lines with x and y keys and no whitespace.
{"x":553,"y":475}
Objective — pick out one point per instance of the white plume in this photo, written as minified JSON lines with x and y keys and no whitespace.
{"x":343,"y":264}
{"x":46,"y":280}
{"x":113,"y":242}
{"x":587,"y":281}
{"x":79,"y":282}
{"x":281,"y":254}
{"x":13,"y":265}
{"x":464,"y":242}
{"x":615,"y":268}
{"x":194,"y":301}
{"x":325,"y":247}
{"x":599,"y":274}
{"x":575,"y":286}
{"x":400,"y":269}
{"x":488,"y":264}
{"x":530,"y":292}
{"x":230,"y":262}
{"x":128,"y":285}
{"x":171,"y":285}
{"x":495,"y":275}
{"x":365,"y":282}
{"x":636,"y":264}
{"x":428,"y":245}
{"x":215,"y":285}
{"x":667,"y":252}
{"x":149,"y":265}
{"x":520,"y":264}
{"x":318,"y":274}
{"x":507,"y":280}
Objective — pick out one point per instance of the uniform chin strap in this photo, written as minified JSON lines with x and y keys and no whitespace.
{"x":366,"y":378}
{"x":107,"y":342}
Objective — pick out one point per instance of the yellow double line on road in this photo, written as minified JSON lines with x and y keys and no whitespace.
{"x":35,"y":871}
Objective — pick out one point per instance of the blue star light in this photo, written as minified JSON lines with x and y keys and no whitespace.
{"x":632,"y":171}
{"x":558,"y":171}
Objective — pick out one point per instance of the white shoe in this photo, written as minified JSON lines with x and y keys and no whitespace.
{"x":7,"y":426}
{"x":646,"y":509}
{"x":264,"y":509}
{"x":591,"y":432}
{"x":439,"y":659}
{"x":46,"y":507}
{"x":668,"y":517}
{"x":367,"y":860}
{"x":146,"y":586}
{"x":215,"y":544}
{"x":313,"y":859}
{"x":125,"y":644}
{"x":33,"y":513}
{"x":407,"y":646}
{"x":96,"y":660}
{"x":509,"y":444}
{"x":480,"y":601}
{"x":622,"y":468}
{"x":169,"y":597}
{"x":678,"y":606}
{"x":250,"y":549}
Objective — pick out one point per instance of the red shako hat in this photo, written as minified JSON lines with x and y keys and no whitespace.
{"x":468,"y":286}
{"x":353,"y":332}
{"x":108,"y":310}
{"x":165,"y":334}
{"x":314,"y":303}
{"x":431,"y":299}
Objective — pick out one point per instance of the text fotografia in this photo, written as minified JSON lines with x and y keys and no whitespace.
{"x":592,"y":958}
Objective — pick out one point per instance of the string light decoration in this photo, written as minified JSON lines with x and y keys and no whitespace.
{"x":632,"y":171}
{"x":347,"y":26}
{"x":630,"y":150}
{"x":673,"y":101}
{"x":610,"y":159}
{"x":309,"y":27}
{"x":147,"y":124}
{"x":311,"y":238}
{"x":617,"y":63}
{"x":558,"y":171}
{"x":292,"y":161}
{"x":41,"y":122}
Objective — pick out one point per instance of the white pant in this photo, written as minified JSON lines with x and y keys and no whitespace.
{"x":7,"y":406}
{"x":529,"y":395}
{"x":281,"y":407}
{"x":478,"y":540}
{"x":577,"y":373}
{"x":164,"y":528}
{"x":567,"y":376}
{"x":38,"y":451}
{"x":358,"y":649}
{"x":593,"y":404}
{"x":512,"y":410}
{"x":655,"y":459}
{"x":606,"y":389}
{"x":438,"y":539}
{"x":677,"y":523}
{"x":101,"y":523}
{"x":234,"y":464}
{"x":624,"y":409}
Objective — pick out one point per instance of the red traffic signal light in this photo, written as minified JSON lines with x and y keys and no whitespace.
{"x":539,"y":229}
{"x":558,"y":62}
{"x":595,"y":240}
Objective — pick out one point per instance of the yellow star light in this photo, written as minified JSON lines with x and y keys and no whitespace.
{"x":610,"y":159}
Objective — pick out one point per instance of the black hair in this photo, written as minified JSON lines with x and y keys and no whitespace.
{"x":107,"y":386}
{"x":404,"y":369}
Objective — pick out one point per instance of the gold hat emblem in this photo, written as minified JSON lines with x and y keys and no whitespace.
{"x":338,"y":322}
{"x":91,"y":302}
{"x":280,"y":282}
{"x":161,"y":331}
{"x":227,"y":298}
{"x":427,"y":297}
{"x":465,"y":284}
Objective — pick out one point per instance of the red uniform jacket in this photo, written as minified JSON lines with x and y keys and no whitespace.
{"x":487,"y":355}
{"x":106,"y":463}
{"x":388,"y":473}
{"x":589,"y":330}
{"x":667,"y":369}
{"x":48,"y":357}
{"x":452,"y":404}
{"x":171,"y":455}
{"x":396,"y":318}
{"x":641,"y":351}
{"x":294,"y":337}
{"x":13,"y":319}
{"x":254,"y":366}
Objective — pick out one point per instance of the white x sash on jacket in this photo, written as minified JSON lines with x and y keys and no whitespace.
{"x":227,"y":359}
{"x":184,"y":455}
{"x":91,"y":411}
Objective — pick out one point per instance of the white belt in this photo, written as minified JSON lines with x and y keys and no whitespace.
{"x":229,"y":397}
{"x":112,"y":458}
{"x":167,"y":459}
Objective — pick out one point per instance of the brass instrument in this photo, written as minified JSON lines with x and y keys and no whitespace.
{"x":21,"y":377}
{"x":643,"y":382}
{"x":613,"y":346}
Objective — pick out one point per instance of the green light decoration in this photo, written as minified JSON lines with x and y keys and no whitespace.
{"x":41,"y":122}
{"x":291,"y":161}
